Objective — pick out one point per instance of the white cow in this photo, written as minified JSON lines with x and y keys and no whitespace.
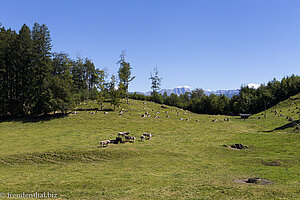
{"x":104,"y":143}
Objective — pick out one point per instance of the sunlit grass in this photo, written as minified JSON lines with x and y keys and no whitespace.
{"x":184,"y":159}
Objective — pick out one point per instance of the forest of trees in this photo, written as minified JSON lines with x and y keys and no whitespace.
{"x":249,"y":100}
{"x":35,"y":81}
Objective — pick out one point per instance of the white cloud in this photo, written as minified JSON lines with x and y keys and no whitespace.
{"x":253,"y":85}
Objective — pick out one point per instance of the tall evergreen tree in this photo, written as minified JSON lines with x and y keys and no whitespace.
{"x":124,"y":74}
{"x":41,"y":69}
{"x":25,"y":76}
{"x":155,"y":80}
{"x":8,"y":69}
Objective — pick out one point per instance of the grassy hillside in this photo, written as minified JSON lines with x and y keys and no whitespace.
{"x":184,"y":159}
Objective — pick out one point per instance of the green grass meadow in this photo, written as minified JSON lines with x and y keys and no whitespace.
{"x":183,"y":160}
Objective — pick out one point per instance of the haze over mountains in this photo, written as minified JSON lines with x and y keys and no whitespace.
{"x":183,"y":89}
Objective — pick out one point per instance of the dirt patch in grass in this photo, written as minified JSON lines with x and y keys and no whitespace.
{"x":272,"y":163}
{"x":254,"y":180}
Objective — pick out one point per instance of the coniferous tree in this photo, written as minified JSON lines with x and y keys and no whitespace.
{"x":25,"y":81}
{"x":41,"y":69}
{"x":155,"y":86}
{"x":155,"y":80}
{"x":8,"y":62}
{"x":124,"y":74}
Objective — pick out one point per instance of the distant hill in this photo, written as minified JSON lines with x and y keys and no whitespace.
{"x":282,"y":116}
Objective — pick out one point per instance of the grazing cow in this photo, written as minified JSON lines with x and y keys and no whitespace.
{"x":104,"y":143}
{"x":126,"y":133}
{"x":148,"y":135}
{"x":121,"y":134}
{"x":143,"y":138}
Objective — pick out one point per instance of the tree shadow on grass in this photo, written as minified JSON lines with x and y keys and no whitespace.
{"x":93,"y":109}
{"x":283,"y":127}
{"x":34,"y":119}
{"x":48,"y":117}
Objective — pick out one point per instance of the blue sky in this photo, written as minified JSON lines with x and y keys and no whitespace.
{"x":203,"y":43}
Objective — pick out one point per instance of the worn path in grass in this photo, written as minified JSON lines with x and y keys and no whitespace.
{"x":184,"y":159}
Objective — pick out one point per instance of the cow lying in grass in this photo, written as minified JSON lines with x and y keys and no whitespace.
{"x":128,"y":138}
{"x":104,"y":143}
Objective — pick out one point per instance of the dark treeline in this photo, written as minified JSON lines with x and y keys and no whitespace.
{"x":249,"y":100}
{"x":34,"y":81}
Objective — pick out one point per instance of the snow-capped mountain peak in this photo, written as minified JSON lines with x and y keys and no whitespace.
{"x":184,"y":87}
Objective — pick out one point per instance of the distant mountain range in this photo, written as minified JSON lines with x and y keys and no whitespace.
{"x":228,"y":93}
{"x":183,"y":89}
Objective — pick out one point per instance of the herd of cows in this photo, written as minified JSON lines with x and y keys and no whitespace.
{"x":124,"y":137}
